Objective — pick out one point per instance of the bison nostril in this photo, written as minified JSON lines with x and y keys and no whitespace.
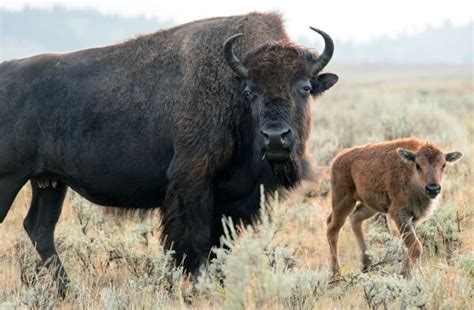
{"x":285,"y":135}
{"x":276,"y":137}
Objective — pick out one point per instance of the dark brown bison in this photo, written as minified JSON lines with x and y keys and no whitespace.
{"x":170,"y":120}
{"x":401,"y":178}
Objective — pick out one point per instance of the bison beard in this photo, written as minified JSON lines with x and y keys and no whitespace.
{"x":286,"y":173}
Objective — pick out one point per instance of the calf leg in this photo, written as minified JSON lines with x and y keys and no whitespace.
{"x":40,"y":223}
{"x":341,"y":208}
{"x":361,"y":214}
{"x":406,"y":228}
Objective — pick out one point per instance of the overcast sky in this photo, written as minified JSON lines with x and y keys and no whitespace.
{"x":357,"y":20}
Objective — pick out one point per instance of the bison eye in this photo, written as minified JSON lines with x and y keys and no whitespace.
{"x":306,"y":89}
{"x":443,"y":166}
{"x":248,"y":94}
{"x":418,"y":167}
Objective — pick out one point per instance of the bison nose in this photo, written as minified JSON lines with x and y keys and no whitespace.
{"x":432,"y":190}
{"x":277,"y":138}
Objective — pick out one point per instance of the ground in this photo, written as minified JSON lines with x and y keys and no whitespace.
{"x":117,"y":262}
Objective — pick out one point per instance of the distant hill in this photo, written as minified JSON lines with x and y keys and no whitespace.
{"x":34,"y":31}
{"x":444,"y":44}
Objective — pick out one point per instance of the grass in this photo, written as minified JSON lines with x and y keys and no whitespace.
{"x":117,"y":263}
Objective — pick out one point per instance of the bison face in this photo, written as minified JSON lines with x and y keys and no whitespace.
{"x":278,"y":82}
{"x":428,"y":164}
{"x":282,"y":119}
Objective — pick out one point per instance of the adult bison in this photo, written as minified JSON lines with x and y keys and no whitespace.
{"x":170,"y":120}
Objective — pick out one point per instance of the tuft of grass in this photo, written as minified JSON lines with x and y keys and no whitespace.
{"x":440,"y":233}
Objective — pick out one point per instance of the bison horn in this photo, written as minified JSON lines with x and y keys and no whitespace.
{"x":326,"y":56}
{"x":232,"y":60}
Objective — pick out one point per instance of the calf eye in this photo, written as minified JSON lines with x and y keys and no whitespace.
{"x":418,"y":167}
{"x":443,"y":166}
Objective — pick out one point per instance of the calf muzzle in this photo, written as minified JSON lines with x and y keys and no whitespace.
{"x":432,"y":190}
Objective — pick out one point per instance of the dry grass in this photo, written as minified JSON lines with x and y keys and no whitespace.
{"x":118,"y":263}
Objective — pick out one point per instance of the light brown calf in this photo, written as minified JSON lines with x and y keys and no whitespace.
{"x":400,"y":177}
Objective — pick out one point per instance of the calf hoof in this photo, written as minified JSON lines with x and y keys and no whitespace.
{"x":336,"y":278}
{"x":366,"y":263}
{"x":336,"y":273}
{"x":406,"y":272}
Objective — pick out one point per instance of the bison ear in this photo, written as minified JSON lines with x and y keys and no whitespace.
{"x":453,"y":156}
{"x":324,"y":81}
{"x":406,"y":155}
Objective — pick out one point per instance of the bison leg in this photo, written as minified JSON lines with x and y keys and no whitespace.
{"x":40,"y":222}
{"x":9,"y":187}
{"x":361,"y":214}
{"x":186,"y":221}
{"x":341,"y":209}
{"x":406,"y":228}
{"x":244,"y":211}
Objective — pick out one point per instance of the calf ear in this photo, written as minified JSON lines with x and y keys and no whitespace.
{"x":453,"y":156}
{"x":406,"y":155}
{"x":324,"y":82}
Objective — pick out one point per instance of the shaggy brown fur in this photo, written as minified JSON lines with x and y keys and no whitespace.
{"x":398,"y":177}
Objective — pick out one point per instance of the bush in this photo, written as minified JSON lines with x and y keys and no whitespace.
{"x":439,"y":234}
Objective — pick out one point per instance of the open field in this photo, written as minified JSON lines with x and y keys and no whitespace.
{"x":117,"y":263}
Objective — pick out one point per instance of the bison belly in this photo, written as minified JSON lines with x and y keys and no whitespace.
{"x":121,"y":174}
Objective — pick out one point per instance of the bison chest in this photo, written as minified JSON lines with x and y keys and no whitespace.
{"x":422,"y":209}
{"x":237,"y":193}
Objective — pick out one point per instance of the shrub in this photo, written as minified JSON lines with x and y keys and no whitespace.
{"x":439,"y":234}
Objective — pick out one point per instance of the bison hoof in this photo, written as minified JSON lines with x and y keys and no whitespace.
{"x":199,"y":275}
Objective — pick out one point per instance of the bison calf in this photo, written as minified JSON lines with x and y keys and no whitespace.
{"x":401,"y":178}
